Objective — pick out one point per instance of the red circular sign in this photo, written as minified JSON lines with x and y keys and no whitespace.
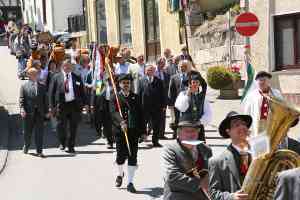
{"x":247,"y":24}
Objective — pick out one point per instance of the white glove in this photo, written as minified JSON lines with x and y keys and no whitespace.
{"x":123,"y":125}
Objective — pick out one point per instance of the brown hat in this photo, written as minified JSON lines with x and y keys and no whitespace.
{"x":262,"y":74}
{"x":225,"y":124}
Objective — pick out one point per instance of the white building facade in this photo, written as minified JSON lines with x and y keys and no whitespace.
{"x":276,"y":46}
{"x":50,"y":15}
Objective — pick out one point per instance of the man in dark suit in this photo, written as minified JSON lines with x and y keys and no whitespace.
{"x":151,"y":92}
{"x":179,"y":83}
{"x":186,"y":165}
{"x":165,"y":78}
{"x":33,"y":104}
{"x":132,"y":122}
{"x":102,"y":116}
{"x":288,"y":185}
{"x":228,"y":170}
{"x":66,"y":100}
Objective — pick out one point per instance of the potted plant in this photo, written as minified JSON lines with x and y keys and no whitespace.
{"x":226,"y":79}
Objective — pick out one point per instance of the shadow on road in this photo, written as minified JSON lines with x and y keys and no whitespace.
{"x":59,"y":156}
{"x":155,"y":192}
{"x":85,"y":136}
{"x":93,"y":152}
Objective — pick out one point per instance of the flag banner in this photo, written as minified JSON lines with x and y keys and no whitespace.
{"x":250,"y":81}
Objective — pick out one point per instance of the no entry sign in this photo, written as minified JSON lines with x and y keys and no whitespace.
{"x":247,"y":24}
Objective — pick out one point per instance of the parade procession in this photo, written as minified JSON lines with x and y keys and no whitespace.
{"x":148,"y":99}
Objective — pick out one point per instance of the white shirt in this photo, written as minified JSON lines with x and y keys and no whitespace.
{"x":70,"y":96}
{"x":182,"y":104}
{"x":241,"y":151}
{"x":150,"y":78}
{"x":107,"y":92}
{"x":252,"y":107}
{"x":122,"y":68}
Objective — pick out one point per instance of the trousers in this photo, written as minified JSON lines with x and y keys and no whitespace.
{"x":122,"y":150}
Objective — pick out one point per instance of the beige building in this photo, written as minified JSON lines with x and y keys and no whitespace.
{"x":276,"y":46}
{"x":145,"y":26}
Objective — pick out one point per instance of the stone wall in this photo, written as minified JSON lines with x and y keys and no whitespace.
{"x":210,"y":43}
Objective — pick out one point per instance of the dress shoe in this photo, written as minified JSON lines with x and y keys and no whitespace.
{"x":119,"y":181}
{"x":25,"y":150}
{"x":61,"y":147}
{"x":110,"y":146}
{"x":131,"y":188}
{"x":156,"y":144}
{"x":71,"y":150}
{"x":174,"y":136}
{"x":163,"y":137}
{"x":41,"y":155}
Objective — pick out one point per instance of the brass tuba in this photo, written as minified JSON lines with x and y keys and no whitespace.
{"x":260,"y":181}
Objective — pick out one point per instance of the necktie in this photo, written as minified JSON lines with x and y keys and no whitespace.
{"x":244,"y":163}
{"x":159,"y":75}
{"x":67,"y":84}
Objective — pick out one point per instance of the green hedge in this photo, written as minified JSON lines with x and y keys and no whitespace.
{"x":219,"y":77}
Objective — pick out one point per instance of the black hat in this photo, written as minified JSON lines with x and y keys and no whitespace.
{"x":194,"y":75}
{"x":262,"y":74}
{"x":122,"y":77}
{"x":225,"y":124}
{"x":186,"y":121}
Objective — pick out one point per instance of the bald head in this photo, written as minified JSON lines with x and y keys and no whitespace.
{"x":167,"y":53}
{"x":32,"y":73}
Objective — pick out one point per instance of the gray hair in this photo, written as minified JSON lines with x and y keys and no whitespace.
{"x":187,"y":63}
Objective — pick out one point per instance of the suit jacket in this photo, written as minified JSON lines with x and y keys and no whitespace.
{"x":288,"y":185}
{"x":135,"y":120}
{"x":178,"y":161}
{"x":57,"y":91}
{"x":224,"y":176}
{"x":30,"y":101}
{"x":152,"y":94}
{"x":174,"y":89}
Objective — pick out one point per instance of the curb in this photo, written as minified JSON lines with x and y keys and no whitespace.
{"x":4,"y":137}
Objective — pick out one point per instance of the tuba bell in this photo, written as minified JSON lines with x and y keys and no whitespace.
{"x":260,"y":181}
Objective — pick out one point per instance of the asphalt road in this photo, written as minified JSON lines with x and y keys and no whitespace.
{"x":87,"y":175}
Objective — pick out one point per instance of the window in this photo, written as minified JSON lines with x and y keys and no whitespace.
{"x":152,"y":20}
{"x":44,"y":11}
{"x":101,"y":22}
{"x":152,"y":30}
{"x":125,"y":22}
{"x":287,"y":41}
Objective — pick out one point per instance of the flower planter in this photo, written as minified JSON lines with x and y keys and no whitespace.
{"x":232,"y":91}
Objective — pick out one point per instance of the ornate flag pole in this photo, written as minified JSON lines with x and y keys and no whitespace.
{"x":112,"y":52}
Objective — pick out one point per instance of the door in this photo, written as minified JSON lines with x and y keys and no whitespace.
{"x":152,"y":30}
